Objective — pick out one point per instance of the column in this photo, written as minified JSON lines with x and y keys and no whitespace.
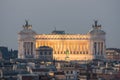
{"x":39,"y":44}
{"x":36,"y":44}
{"x":103,"y":48}
{"x":70,"y":46}
{"x":22,"y":50}
{"x":100,"y":48}
{"x":85,"y":48}
{"x":79,"y":47}
{"x":57,"y":46}
{"x":31,"y":48}
{"x":26,"y":48}
{"x":65,"y":45}
{"x":62,"y":47}
{"x":97,"y":48}
{"x":82,"y":48}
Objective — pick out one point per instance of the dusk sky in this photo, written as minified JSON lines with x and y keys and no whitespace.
{"x":73,"y":16}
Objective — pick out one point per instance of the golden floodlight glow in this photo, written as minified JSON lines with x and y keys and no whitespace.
{"x":77,"y":45}
{"x":80,"y":46}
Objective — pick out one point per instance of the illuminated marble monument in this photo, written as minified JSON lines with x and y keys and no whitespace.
{"x":80,"y":46}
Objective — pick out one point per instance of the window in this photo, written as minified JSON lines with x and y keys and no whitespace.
{"x":77,"y":52}
{"x":41,"y":53}
{"x":50,"y":53}
{"x":80,"y":52}
{"x":86,"y":52}
{"x":45,"y":53}
{"x":71,"y":72}
{"x":83,"y":52}
{"x":67,"y":72}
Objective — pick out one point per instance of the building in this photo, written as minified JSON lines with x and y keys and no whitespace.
{"x":0,"y":55}
{"x":70,"y":70}
{"x":74,"y":46}
{"x":28,"y":77}
{"x":60,"y":75}
{"x":13,"y":54}
{"x":26,"y":42}
{"x":4,"y":53}
{"x":45,"y":53}
{"x":113,"y":54}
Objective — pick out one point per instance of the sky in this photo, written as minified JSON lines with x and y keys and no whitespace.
{"x":73,"y":16}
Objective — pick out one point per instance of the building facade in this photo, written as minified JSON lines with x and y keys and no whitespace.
{"x":74,"y":46}
{"x":44,"y":53}
{"x":113,"y":54}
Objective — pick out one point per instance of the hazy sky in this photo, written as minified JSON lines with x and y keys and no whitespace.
{"x":73,"y":16}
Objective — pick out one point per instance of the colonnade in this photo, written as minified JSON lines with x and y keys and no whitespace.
{"x":98,"y":48}
{"x":28,"y":48}
{"x":60,"y":47}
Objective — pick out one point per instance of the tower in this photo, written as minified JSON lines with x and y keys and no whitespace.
{"x":26,"y":42}
{"x":97,"y":41}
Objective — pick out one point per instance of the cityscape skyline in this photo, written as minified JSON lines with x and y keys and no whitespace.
{"x":71,"y":16}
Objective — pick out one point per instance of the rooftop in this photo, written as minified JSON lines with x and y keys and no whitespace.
{"x":58,"y":32}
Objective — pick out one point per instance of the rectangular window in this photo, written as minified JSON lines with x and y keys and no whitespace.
{"x":41,"y":53}
{"x":50,"y":53}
